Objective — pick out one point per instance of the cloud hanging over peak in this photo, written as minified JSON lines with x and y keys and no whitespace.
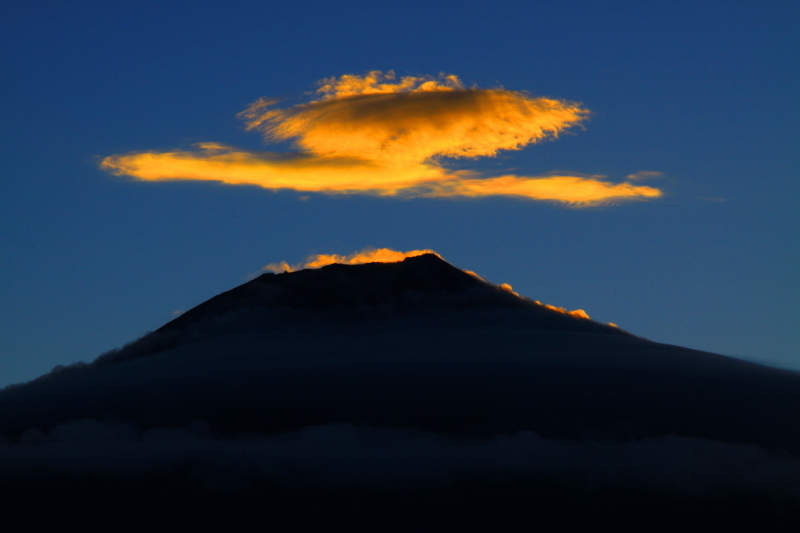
{"x":367,"y":255}
{"x":377,"y":135}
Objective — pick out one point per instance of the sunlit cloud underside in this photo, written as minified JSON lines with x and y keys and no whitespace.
{"x":374,"y":135}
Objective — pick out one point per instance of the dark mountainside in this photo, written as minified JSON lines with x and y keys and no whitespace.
{"x":407,"y":396}
{"x":352,"y":294}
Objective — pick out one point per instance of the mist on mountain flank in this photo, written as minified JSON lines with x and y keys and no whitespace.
{"x":364,"y":386}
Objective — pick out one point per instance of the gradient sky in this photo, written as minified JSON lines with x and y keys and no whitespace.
{"x":705,"y":95}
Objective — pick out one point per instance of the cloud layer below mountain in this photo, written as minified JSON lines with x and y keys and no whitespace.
{"x":348,"y":455}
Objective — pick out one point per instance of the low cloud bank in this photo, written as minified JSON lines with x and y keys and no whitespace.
{"x":347,"y":455}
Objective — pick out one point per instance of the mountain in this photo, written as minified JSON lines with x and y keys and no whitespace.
{"x":423,"y":288}
{"x":364,"y":390}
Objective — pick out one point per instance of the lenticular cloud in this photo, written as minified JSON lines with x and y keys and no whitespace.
{"x":377,"y":135}
{"x":414,"y":120}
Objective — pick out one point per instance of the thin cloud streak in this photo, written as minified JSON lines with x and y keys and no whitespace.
{"x":644,"y":175}
{"x":575,"y":190}
{"x":377,"y":136}
{"x":339,"y":175}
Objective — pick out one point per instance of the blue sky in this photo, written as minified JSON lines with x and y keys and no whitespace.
{"x":705,"y":94}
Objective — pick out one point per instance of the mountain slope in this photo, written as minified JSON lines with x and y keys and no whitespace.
{"x":384,"y":374}
{"x":414,"y":344}
{"x":425,"y":288}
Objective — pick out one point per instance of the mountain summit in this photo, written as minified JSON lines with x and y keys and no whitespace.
{"x":423,"y":288}
{"x":397,"y":376}
{"x":416,"y":284}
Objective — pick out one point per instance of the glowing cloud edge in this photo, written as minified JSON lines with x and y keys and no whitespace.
{"x":387,"y":255}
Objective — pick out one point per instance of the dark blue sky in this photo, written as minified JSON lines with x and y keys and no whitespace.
{"x":705,"y":94}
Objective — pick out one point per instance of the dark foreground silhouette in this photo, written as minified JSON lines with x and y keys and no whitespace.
{"x":399,"y":396}
{"x":169,"y":503}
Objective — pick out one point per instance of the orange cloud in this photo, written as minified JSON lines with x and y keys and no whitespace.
{"x":575,"y":190}
{"x":508,"y":288}
{"x":339,"y":175}
{"x":414,"y":120}
{"x":376,"y":82}
{"x":368,"y":255}
{"x":376,"y":135}
{"x":577,"y":313}
{"x":298,"y":171}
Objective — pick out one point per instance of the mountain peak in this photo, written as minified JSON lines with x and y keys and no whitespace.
{"x":339,"y":286}
{"x":424,"y":289}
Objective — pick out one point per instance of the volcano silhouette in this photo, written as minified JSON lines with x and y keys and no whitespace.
{"x":371,"y":391}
